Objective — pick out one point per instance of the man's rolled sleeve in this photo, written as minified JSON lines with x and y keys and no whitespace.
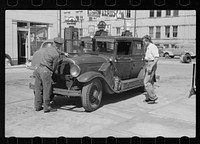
{"x":155,"y":52}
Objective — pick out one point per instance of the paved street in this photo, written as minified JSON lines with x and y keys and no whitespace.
{"x":121,"y":115}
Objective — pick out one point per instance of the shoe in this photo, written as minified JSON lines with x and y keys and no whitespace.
{"x":146,"y":100}
{"x":50,"y":110}
{"x":39,"y":109}
{"x":152,"y":101}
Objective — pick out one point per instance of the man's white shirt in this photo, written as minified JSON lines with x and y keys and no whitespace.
{"x":151,"y":52}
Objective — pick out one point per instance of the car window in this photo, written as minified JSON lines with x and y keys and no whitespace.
{"x":137,"y":47}
{"x":124,"y":48}
{"x":105,"y":47}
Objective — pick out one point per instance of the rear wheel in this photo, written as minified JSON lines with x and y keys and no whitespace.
{"x":186,"y":58}
{"x":92,"y":95}
{"x":8,"y":61}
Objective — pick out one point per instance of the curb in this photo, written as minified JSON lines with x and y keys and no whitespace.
{"x":16,"y":66}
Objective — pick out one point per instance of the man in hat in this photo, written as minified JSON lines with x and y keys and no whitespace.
{"x":151,"y":59}
{"x":43,"y":74}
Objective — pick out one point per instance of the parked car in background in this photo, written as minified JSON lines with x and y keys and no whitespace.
{"x":188,"y":49}
{"x":160,"y":50}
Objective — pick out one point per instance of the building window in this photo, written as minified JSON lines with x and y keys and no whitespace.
{"x":128,"y":13}
{"x":158,"y":13}
{"x":151,"y":13}
{"x":168,"y":12}
{"x":151,"y":32}
{"x":158,"y":32}
{"x":118,"y":30}
{"x":167,"y":31}
{"x":175,"y":31}
{"x":175,"y":12}
{"x":90,"y":19}
{"x":166,"y":45}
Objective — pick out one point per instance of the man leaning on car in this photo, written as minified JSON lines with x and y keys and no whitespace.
{"x":49,"y":56}
{"x":151,"y":59}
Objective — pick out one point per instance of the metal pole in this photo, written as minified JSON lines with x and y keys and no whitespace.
{"x":135,"y":24}
{"x":60,"y":23}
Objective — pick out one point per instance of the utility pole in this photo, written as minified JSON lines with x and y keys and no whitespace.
{"x":135,"y":25}
{"x":60,"y":22}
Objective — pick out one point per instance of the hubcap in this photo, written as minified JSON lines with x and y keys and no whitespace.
{"x":94,"y":95}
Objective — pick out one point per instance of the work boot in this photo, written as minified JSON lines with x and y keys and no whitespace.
{"x":146,"y":100}
{"x":39,"y":109}
{"x":152,"y":101}
{"x":50,"y":109}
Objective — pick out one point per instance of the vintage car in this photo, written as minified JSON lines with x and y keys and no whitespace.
{"x":112,"y":64}
{"x":188,"y":49}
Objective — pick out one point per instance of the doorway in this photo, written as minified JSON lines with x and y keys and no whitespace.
{"x":22,"y":46}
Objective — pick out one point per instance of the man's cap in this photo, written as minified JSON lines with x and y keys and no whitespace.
{"x":58,"y":40}
{"x":147,"y":37}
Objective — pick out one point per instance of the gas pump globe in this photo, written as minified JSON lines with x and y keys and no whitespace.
{"x":71,"y":36}
{"x":101,"y":32}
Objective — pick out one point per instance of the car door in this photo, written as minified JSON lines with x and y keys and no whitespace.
{"x":124,"y":59}
{"x":137,"y":58}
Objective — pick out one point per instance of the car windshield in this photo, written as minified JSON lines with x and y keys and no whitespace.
{"x":87,"y":46}
{"x":104,"y":47}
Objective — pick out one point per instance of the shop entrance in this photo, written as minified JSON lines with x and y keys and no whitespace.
{"x":22,"y":46}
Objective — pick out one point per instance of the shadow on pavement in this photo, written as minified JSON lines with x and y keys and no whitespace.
{"x":74,"y":103}
{"x":115,"y":98}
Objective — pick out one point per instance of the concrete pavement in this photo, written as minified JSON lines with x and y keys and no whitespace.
{"x":121,"y":115}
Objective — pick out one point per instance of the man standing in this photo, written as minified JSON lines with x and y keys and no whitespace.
{"x":151,"y":59}
{"x":43,"y":74}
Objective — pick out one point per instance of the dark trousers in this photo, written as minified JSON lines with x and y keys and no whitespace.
{"x":43,"y":87}
{"x":149,"y":80}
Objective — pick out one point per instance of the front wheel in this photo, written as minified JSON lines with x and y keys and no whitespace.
{"x":166,"y":55}
{"x":91,"y":95}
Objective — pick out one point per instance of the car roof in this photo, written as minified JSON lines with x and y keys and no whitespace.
{"x":118,"y":37}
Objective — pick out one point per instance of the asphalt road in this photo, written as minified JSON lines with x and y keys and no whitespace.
{"x":121,"y":115}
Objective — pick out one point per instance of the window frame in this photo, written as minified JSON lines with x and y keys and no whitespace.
{"x":175,"y":31}
{"x":167,"y":32}
{"x":151,"y":34}
{"x":175,"y":13}
{"x":158,"y":32}
{"x":151,"y":13}
{"x":159,"y":12}
{"x":168,"y":14}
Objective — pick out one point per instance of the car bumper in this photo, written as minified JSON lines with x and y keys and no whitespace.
{"x":67,"y":92}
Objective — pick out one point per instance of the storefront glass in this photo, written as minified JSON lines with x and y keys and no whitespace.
{"x":38,"y":34}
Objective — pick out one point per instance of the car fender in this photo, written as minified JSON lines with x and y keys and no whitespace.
{"x":88,"y":76}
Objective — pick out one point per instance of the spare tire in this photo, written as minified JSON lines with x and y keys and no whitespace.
{"x":185,"y":58}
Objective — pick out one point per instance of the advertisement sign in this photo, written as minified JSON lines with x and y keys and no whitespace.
{"x":120,"y":14}
{"x":109,"y":13}
{"x":94,"y":13}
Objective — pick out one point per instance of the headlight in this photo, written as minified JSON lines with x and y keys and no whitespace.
{"x":75,"y":70}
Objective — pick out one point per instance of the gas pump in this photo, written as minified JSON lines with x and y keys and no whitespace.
{"x":127,"y":33}
{"x":71,"y":40}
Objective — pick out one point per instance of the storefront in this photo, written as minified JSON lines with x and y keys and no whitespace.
{"x":24,"y":37}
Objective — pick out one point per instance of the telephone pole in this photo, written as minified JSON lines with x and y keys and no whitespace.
{"x":60,"y":22}
{"x":135,"y":24}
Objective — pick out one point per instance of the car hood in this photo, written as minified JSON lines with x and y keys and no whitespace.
{"x":90,"y":59}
